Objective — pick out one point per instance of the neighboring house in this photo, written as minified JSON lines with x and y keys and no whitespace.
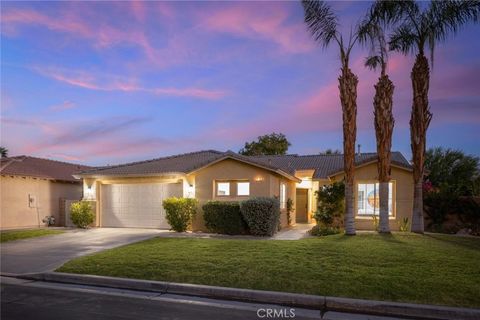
{"x":131,"y":195}
{"x":32,"y":188}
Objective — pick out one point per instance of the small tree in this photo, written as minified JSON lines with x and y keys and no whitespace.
{"x":331,"y":205}
{"x":180,"y":212}
{"x":81,"y":213}
{"x":269,"y":144}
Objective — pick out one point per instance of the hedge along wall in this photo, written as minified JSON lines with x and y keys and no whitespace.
{"x":224,"y":217}
{"x":262,"y":215}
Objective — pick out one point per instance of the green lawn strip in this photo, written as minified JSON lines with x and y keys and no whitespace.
{"x":430,"y":269}
{"x":6,"y":236}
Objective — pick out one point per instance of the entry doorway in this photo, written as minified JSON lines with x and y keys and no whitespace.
{"x":301,"y":207}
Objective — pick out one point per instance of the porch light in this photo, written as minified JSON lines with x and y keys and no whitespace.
{"x":258,"y":178}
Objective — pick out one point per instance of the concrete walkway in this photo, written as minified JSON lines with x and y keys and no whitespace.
{"x":44,"y":254}
{"x":296,"y":232}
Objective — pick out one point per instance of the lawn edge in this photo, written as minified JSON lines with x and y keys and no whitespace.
{"x":51,"y":233}
{"x":323,"y":303}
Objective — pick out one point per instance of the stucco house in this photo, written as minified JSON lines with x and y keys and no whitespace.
{"x":32,"y":188}
{"x":131,"y":194}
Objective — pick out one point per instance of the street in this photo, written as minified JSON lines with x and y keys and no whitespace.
{"x":25,"y":299}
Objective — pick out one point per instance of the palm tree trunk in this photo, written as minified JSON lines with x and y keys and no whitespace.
{"x":348,"y":98}
{"x":384,"y":122}
{"x":419,"y":122}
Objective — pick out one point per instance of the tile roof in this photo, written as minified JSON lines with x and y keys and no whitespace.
{"x":327,"y":164}
{"x":40,"y":168}
{"x":324,"y":165}
{"x":181,"y":163}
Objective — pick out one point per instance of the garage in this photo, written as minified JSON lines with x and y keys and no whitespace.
{"x":136,"y":205}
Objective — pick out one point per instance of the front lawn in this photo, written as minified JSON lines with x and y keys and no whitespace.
{"x":431,"y":269}
{"x":6,"y":236}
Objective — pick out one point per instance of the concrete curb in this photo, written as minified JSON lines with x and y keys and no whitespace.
{"x":384,"y":308}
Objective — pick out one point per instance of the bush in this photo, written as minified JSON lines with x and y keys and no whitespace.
{"x":224,"y":217}
{"x":320,"y":230}
{"x":262,"y":215}
{"x":180,"y":212}
{"x":81,"y":213}
{"x":331,"y":205}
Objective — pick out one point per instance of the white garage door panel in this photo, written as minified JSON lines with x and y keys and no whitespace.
{"x":137,"y":205}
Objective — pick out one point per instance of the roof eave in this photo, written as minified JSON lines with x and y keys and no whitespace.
{"x":410,"y":169}
{"x":128,"y":175}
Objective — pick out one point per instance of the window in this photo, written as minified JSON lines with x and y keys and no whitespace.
{"x":243,"y":188}
{"x":223,"y":188}
{"x":368,"y":202}
{"x":283,"y":196}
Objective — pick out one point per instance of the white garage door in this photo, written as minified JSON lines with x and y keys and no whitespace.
{"x":137,"y":205}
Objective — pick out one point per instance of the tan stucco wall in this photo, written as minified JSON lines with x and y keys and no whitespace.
{"x":14,"y":193}
{"x":263,"y":183}
{"x":403,"y":193}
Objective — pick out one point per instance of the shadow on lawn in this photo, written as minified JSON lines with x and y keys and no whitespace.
{"x":465,"y":242}
{"x":387,"y":237}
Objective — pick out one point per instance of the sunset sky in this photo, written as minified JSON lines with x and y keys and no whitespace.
{"x":110,"y":82}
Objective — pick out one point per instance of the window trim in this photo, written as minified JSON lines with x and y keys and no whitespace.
{"x":369,"y":216}
{"x":283,"y":204}
{"x":217,"y":182}
{"x":243,"y":181}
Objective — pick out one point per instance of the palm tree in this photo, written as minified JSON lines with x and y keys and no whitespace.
{"x":371,"y":31}
{"x":323,"y":24}
{"x":3,"y":152}
{"x":417,"y":28}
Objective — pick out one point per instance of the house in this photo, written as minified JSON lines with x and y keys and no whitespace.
{"x":32,"y":188}
{"x":131,"y":195}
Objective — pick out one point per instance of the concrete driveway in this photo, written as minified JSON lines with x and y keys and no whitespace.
{"x":50,"y":252}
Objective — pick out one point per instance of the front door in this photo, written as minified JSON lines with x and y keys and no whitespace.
{"x":302,"y":206}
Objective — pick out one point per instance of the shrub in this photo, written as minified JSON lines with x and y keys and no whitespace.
{"x":320,"y":230}
{"x":290,"y":209}
{"x":404,"y":224}
{"x":331,"y":205}
{"x":262,"y":215}
{"x":81,"y":213}
{"x":224,"y":217}
{"x":180,"y":212}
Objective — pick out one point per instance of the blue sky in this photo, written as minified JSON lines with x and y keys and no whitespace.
{"x":110,"y":82}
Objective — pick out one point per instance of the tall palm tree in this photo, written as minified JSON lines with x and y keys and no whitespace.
{"x":372,"y":32}
{"x":416,"y":29}
{"x":323,"y":24}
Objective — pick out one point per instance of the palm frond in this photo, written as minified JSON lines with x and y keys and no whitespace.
{"x":404,"y":39}
{"x":391,"y":12}
{"x":445,"y":18}
{"x":321,"y":21}
{"x":373,"y":62}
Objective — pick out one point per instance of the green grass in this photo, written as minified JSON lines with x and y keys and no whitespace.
{"x":431,"y":269}
{"x":6,"y":236}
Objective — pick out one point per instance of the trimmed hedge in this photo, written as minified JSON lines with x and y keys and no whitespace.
{"x":224,"y":217}
{"x":262,"y":215}
{"x":180,"y":212}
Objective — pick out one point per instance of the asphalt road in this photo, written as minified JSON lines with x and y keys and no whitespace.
{"x":25,"y":300}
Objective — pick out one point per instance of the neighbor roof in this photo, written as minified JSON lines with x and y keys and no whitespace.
{"x":182,"y":163}
{"x":286,"y":165}
{"x":326,"y":165}
{"x":40,"y":168}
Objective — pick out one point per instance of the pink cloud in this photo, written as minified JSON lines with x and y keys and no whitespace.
{"x":111,"y":83}
{"x":257,"y":22}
